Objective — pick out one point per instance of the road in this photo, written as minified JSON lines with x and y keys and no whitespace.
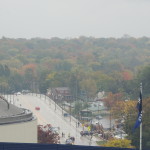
{"x":50,"y":113}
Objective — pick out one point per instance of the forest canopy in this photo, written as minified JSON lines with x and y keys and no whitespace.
{"x":107,"y":64}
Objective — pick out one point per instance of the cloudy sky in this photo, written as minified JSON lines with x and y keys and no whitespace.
{"x":74,"y":18}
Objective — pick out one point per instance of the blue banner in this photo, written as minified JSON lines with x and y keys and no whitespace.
{"x":139,"y":107}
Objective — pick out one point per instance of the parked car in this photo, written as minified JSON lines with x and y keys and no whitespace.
{"x":72,"y":138}
{"x":95,"y":121}
{"x":37,"y":108}
{"x":25,"y":91}
{"x":66,"y":115}
{"x":69,"y":142}
{"x":82,"y":133}
{"x":18,"y":93}
{"x":99,"y":117}
{"x":54,"y":130}
{"x":120,"y":136}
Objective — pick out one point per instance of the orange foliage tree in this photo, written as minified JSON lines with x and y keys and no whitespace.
{"x":127,"y":75}
{"x":31,"y":67}
{"x":46,"y":136}
{"x":119,"y":107}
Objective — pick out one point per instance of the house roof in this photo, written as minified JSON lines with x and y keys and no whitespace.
{"x":68,"y":104}
{"x":64,"y":91}
{"x":62,"y":88}
{"x":95,"y":107}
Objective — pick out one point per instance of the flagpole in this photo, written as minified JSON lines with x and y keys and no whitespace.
{"x":141,"y":136}
{"x":141,"y":123}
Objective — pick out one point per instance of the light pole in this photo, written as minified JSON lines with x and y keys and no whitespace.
{"x":62,"y":104}
{"x":110,"y":119}
{"x":70,"y":111}
{"x":76,"y":98}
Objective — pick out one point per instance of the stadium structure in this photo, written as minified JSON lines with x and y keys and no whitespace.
{"x":16,"y":124}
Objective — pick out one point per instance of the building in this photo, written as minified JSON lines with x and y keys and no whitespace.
{"x":16,"y":124}
{"x":94,"y":108}
{"x":60,"y":94}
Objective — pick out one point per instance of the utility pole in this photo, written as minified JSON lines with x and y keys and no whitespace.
{"x":110,"y":118}
{"x":70,"y":111}
{"x":76,"y":95}
{"x":13,"y":100}
{"x":55,"y":104}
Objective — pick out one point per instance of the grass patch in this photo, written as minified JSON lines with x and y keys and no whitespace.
{"x":100,"y":142}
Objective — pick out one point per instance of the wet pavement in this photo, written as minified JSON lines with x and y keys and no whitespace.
{"x":50,"y":113}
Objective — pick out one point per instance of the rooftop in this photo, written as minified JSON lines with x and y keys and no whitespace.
{"x":11,"y":114}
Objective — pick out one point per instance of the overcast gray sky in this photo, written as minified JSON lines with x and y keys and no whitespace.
{"x":74,"y":18}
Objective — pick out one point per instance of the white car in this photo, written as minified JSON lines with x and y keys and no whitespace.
{"x":18,"y":93}
{"x":99,"y":117}
{"x":69,"y":142}
{"x":120,"y":136}
{"x":54,"y":130}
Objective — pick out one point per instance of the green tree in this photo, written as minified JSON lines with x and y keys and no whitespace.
{"x":89,"y":85}
{"x":6,"y":71}
{"x":130,"y":121}
{"x":2,"y":70}
{"x":15,"y":82}
{"x":144,"y":77}
{"x":77,"y":107}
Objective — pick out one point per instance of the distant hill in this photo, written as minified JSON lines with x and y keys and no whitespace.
{"x":105,"y":54}
{"x":84,"y":64}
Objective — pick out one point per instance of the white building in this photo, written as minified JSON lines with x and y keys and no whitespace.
{"x":16,"y":124}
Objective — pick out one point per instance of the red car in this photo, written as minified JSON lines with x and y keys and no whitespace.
{"x":37,"y":108}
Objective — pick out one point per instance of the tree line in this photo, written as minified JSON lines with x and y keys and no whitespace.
{"x":107,"y":64}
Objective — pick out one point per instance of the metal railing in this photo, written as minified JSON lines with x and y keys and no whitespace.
{"x":26,"y":116}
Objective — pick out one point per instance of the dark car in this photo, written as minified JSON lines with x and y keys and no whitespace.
{"x":66,"y":115}
{"x":99,"y":117}
{"x":86,"y":133}
{"x":72,"y":138}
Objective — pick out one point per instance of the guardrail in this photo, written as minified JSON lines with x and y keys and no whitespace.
{"x":27,"y":146}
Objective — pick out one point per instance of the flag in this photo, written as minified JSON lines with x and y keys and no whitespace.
{"x":139,"y":107}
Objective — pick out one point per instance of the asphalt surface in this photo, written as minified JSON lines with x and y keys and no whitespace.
{"x":50,"y":113}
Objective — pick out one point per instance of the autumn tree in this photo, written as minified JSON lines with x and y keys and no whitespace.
{"x":46,"y":136}
{"x":130,"y":121}
{"x":111,"y":99}
{"x":123,"y":108}
{"x":127,"y":75}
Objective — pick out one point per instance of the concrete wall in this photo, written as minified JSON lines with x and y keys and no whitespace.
{"x":23,"y":132}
